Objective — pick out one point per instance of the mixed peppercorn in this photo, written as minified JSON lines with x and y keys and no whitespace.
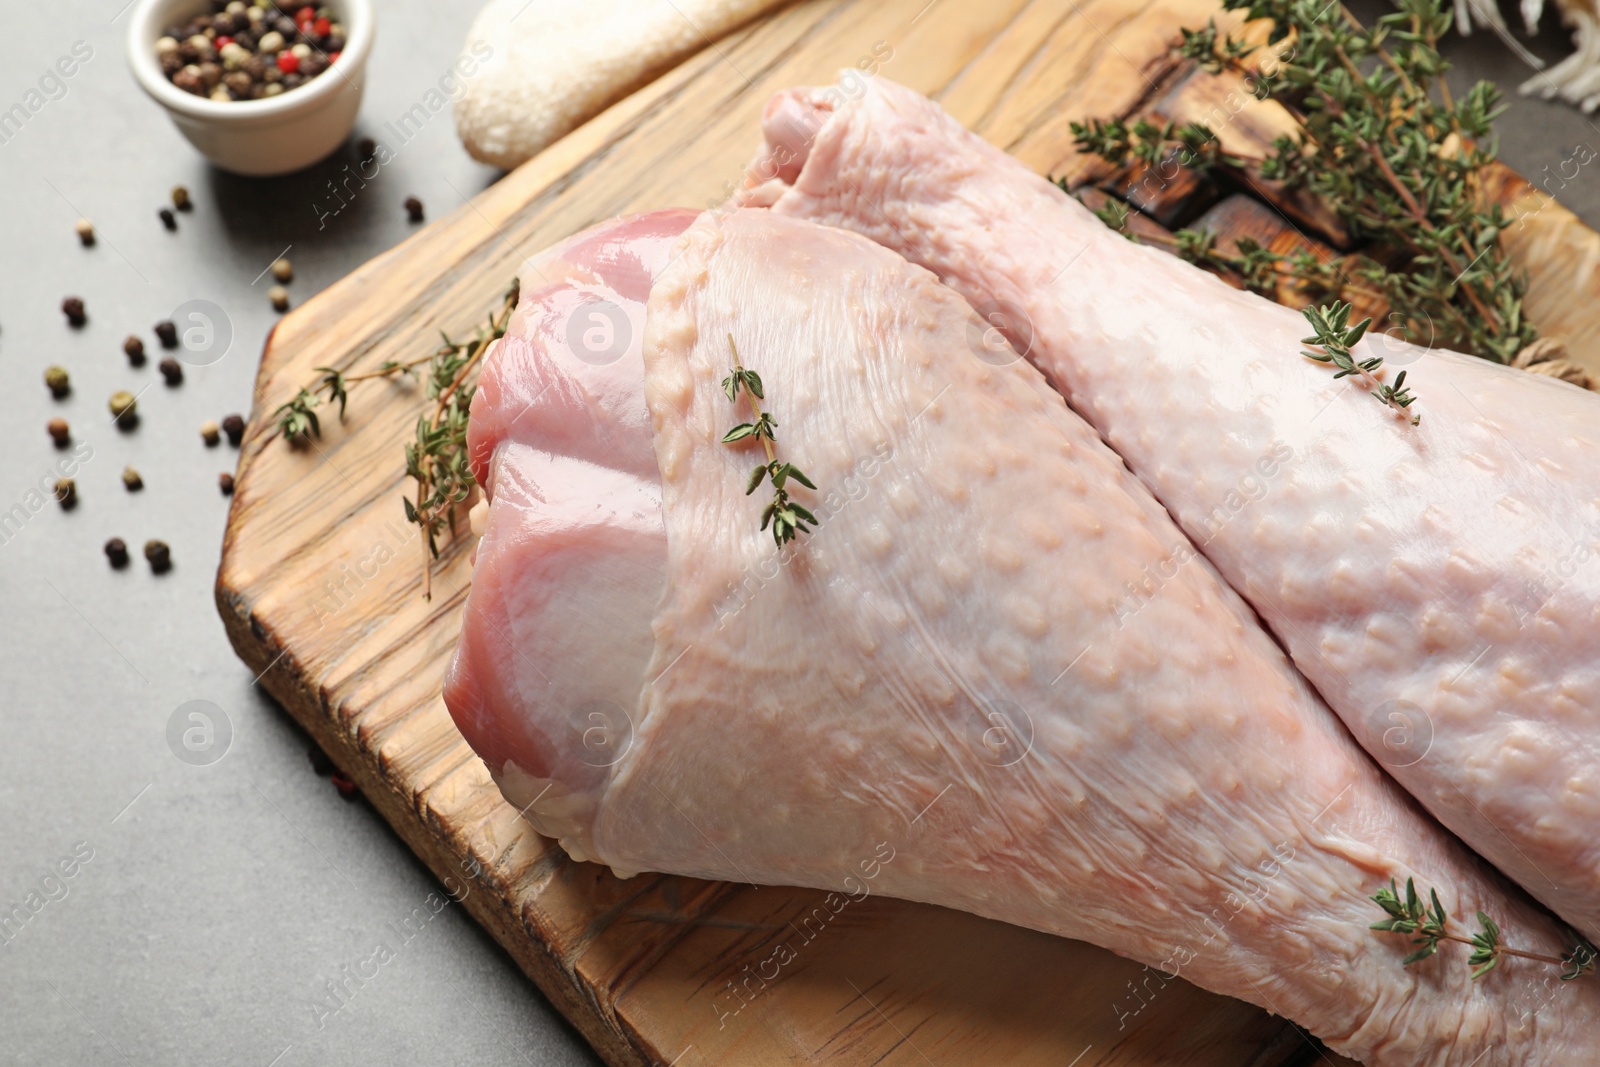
{"x":250,"y":51}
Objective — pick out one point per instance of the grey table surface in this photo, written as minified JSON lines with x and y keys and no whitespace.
{"x":212,"y":911}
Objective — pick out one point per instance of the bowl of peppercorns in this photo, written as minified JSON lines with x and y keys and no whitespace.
{"x":257,"y":86}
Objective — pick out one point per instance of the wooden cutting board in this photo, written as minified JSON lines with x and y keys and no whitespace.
{"x":320,"y":579}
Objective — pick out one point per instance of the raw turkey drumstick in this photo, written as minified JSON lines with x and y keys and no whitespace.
{"x":945,"y":679}
{"x":1437,"y":582}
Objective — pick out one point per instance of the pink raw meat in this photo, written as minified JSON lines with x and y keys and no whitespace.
{"x":934,"y":689}
{"x":1437,"y":583}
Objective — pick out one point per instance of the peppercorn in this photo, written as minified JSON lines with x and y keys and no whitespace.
{"x":167,"y":334}
{"x":233,"y":426}
{"x":134,"y":349}
{"x":66,"y":493}
{"x":414,"y":208}
{"x":117,"y":552}
{"x":85,"y":231}
{"x":59,"y":431}
{"x":159,"y":555}
{"x":131,"y":480}
{"x":180,"y":195}
{"x":208,"y":432}
{"x":320,"y":763}
{"x":283,"y":270}
{"x":72,"y":308}
{"x":279,"y":297}
{"x":366,"y":149}
{"x":225,"y":483}
{"x":168,"y":219}
{"x":57,"y":381}
{"x":346,"y":787}
{"x":123,"y":403}
{"x":172,"y":371}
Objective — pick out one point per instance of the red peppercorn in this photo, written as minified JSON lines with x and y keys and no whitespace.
{"x":288,"y":62}
{"x":305,"y":14}
{"x":222,"y":42}
{"x":333,"y":57}
{"x":321,"y":27}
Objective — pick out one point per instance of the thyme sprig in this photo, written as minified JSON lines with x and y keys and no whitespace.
{"x":1428,"y":924}
{"x":787,"y":519}
{"x":436,"y":459}
{"x":1334,"y":338}
{"x":1381,"y":142}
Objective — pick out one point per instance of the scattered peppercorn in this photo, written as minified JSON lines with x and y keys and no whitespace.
{"x":225,"y":483}
{"x":171,"y":370}
{"x":279,"y":297}
{"x":66,"y":493}
{"x":166,"y":333}
{"x":346,"y":787}
{"x":134,"y":348}
{"x":57,"y":381}
{"x":85,"y":231}
{"x":168,"y":219}
{"x":59,"y":432}
{"x":366,"y":149}
{"x":117,"y":552}
{"x":209,"y":433}
{"x":414,"y":209}
{"x":320,"y":763}
{"x":159,"y":555}
{"x":283,"y":270}
{"x":180,"y":198}
{"x":131,"y":481}
{"x":233,"y":426}
{"x":72,"y":308}
{"x":123,"y":403}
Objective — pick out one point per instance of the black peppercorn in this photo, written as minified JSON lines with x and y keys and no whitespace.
{"x":117,"y":552}
{"x":135,"y":350}
{"x":172,"y":371}
{"x":72,"y":308}
{"x":159,"y":555}
{"x":168,"y":219}
{"x":167,"y":334}
{"x":233,"y":426}
{"x":414,"y":209}
{"x":366,"y":149}
{"x":320,"y":763}
{"x":225,"y":483}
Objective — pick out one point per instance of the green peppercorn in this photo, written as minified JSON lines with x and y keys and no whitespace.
{"x":57,"y":381}
{"x":117,"y":552}
{"x":123,"y":403}
{"x":180,"y":198}
{"x":66,"y":493}
{"x":159,"y":555}
{"x":131,"y":480}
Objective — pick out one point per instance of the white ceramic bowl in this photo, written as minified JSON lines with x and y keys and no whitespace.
{"x":275,"y":135}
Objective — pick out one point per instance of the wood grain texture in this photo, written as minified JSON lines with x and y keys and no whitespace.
{"x":320,"y":585}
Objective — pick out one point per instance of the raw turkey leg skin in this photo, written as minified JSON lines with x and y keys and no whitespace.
{"x":933,"y":694}
{"x":1437,"y":583}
